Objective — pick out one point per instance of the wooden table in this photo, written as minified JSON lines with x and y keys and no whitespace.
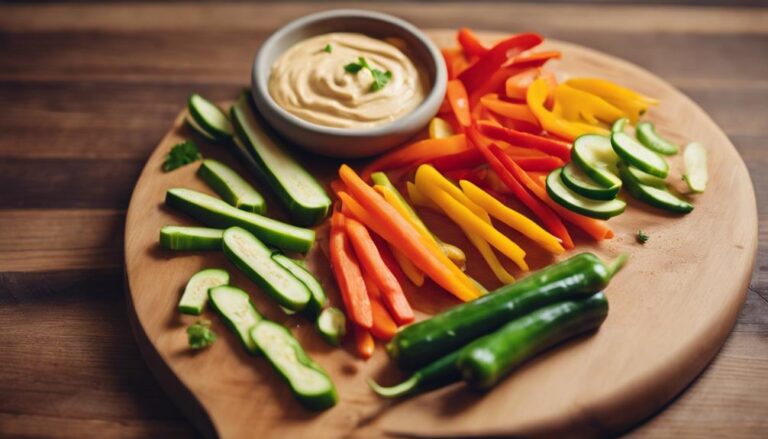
{"x":87,"y":90}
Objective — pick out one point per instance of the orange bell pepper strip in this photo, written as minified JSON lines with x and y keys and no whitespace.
{"x":370,"y":208}
{"x":470,"y":43}
{"x":369,"y":257}
{"x":384,"y":328}
{"x":455,"y":62}
{"x":551,"y":122}
{"x":534,"y":59}
{"x":516,"y":86}
{"x":508,"y":109}
{"x":417,"y":152}
{"x":559,"y":149}
{"x":494,"y":84}
{"x":457,"y":97}
{"x":348,"y":274}
{"x":479,"y":72}
{"x":364,"y":343}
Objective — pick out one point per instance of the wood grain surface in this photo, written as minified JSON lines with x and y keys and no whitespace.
{"x":93,"y":88}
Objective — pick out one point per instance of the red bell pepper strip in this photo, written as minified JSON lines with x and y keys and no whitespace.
{"x":557,"y":148}
{"x":494,"y":84}
{"x":479,"y":72}
{"x":348,"y":274}
{"x":457,"y":97}
{"x":417,"y":152}
{"x":470,"y":43}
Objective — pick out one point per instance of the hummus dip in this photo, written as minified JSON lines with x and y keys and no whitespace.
{"x":310,"y":81}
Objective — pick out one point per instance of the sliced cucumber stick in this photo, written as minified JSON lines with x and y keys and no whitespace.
{"x":638,"y":155}
{"x":196,"y":292}
{"x":200,"y":130}
{"x":215,"y":212}
{"x":594,"y":154}
{"x":318,"y":299}
{"x":695,"y":158}
{"x":235,"y":307}
{"x":651,"y":190}
{"x":209,"y":117}
{"x":575,"y":202}
{"x":254,"y":258}
{"x":647,"y":135}
{"x":308,"y":381}
{"x":332,"y":325}
{"x":301,"y":194}
{"x":578,"y":181}
{"x":190,"y":238}
{"x":231,"y":186}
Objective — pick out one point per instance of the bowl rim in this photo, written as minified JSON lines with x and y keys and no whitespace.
{"x":431,"y":100}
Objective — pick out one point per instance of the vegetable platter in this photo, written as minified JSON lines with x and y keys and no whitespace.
{"x":671,"y":307}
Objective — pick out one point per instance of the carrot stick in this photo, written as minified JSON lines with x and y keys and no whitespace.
{"x":348,"y":274}
{"x":370,"y":259}
{"x":519,"y":112}
{"x":559,"y":149}
{"x":457,"y":97}
{"x":384,"y":328}
{"x":417,"y":152}
{"x":363,"y":342}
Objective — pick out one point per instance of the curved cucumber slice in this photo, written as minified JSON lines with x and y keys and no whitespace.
{"x":654,"y":195}
{"x":638,"y":155}
{"x":209,"y":117}
{"x":641,"y":177}
{"x":254,"y":259}
{"x":309,"y":383}
{"x":575,"y":202}
{"x":647,"y":135}
{"x":190,"y":238}
{"x":200,"y":130}
{"x":579,"y":182}
{"x":318,"y":299}
{"x":296,"y":188}
{"x":331,"y":324}
{"x":235,"y":307}
{"x":619,"y":124}
{"x":230,"y":186}
{"x":695,"y":158}
{"x":594,"y":154}
{"x":217,"y":213}
{"x":196,"y":292}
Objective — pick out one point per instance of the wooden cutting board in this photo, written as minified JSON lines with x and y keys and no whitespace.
{"x":671,"y":308}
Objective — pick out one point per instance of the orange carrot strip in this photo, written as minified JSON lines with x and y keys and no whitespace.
{"x":348,"y":274}
{"x":507,"y":109}
{"x":457,"y":97}
{"x":417,"y":152}
{"x":384,"y":328}
{"x":363,"y":342}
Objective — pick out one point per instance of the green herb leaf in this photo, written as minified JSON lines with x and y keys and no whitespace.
{"x":200,"y":334}
{"x":181,"y":154}
{"x":380,"y":79}
{"x":328,"y":48}
{"x":641,"y":237}
{"x":353,"y":67}
{"x":364,"y":63}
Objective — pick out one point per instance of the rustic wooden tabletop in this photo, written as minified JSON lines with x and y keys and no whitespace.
{"x":88,"y":89}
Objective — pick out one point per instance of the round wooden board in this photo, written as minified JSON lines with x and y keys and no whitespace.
{"x":671,"y":308}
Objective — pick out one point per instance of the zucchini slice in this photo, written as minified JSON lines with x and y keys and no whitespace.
{"x":647,"y":135}
{"x":695,"y":158}
{"x":196,"y":292}
{"x":318,"y":298}
{"x":231,"y":187}
{"x":638,"y":155}
{"x":332,"y":325}
{"x":594,"y":154}
{"x":190,"y":238}
{"x":575,"y":202}
{"x":578,"y":181}
{"x":651,"y":190}
{"x":619,"y":124}
{"x":209,"y":117}
{"x":254,"y":259}
{"x":300,"y":193}
{"x":235,"y":307}
{"x":215,"y":212}
{"x":308,"y":381}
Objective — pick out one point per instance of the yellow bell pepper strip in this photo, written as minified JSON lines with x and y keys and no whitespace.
{"x":473,"y":224}
{"x":489,"y":256}
{"x":551,"y":122}
{"x":578,"y":105}
{"x":430,"y":176}
{"x":413,"y":274}
{"x":439,"y":128}
{"x":416,"y":153}
{"x":419,"y":199}
{"x":632,"y":103}
{"x":512,"y":218}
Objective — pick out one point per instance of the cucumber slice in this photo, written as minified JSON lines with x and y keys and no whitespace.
{"x":695,"y":158}
{"x":190,"y":238}
{"x":254,"y":259}
{"x":575,"y":202}
{"x":209,"y":117}
{"x":594,"y":154}
{"x":304,"y":198}
{"x":654,"y":193}
{"x":619,"y":124}
{"x":332,"y":325}
{"x":231,"y":187}
{"x":214,"y":212}
{"x":309,"y":383}
{"x":647,"y":135}
{"x":318,"y":299}
{"x":235,"y":307}
{"x":200,"y":130}
{"x":578,"y":181}
{"x":196,"y":292}
{"x":638,"y":155}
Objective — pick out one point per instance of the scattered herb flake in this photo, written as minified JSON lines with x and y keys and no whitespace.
{"x":353,"y":67}
{"x":641,"y":237}
{"x":200,"y":334}
{"x":380,"y":79}
{"x":181,"y":154}
{"x":328,"y":48}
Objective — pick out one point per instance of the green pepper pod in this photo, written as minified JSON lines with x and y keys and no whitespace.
{"x":577,"y":277}
{"x":439,"y":373}
{"x":487,"y":360}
